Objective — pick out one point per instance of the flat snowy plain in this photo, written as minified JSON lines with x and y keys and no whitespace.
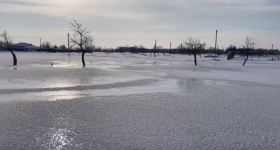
{"x":131,"y":101}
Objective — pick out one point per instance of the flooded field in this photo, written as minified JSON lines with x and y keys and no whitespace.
{"x":131,"y":101}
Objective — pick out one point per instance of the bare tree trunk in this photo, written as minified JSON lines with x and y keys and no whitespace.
{"x":14,"y":58}
{"x":194,"y":55}
{"x":246,"y":58}
{"x":83,"y":59}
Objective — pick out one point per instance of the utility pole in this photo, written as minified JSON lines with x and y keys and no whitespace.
{"x":40,"y":45}
{"x":170,"y":49}
{"x":155,"y":48}
{"x":272,"y":46}
{"x":68,"y":41}
{"x":68,"y":45}
{"x":216,"y":43}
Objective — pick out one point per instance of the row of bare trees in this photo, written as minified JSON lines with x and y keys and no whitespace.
{"x":195,"y":46}
{"x":191,"y":44}
{"x":48,"y":45}
{"x":82,"y":39}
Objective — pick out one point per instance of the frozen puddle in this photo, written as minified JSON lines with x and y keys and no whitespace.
{"x":120,"y":88}
{"x":22,"y":83}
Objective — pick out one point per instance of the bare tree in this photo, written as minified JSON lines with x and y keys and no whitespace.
{"x":159,"y":47}
{"x":248,"y":45}
{"x":194,"y":45}
{"x":62,"y":47}
{"x":82,"y":38}
{"x":46,"y":45}
{"x":55,"y":47}
{"x":201,"y":47}
{"x":8,"y":42}
{"x":89,"y":44}
{"x":154,"y":49}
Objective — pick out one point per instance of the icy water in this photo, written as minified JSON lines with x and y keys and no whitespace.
{"x":125,"y":101}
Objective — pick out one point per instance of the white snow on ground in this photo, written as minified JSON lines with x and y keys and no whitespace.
{"x":131,"y":101}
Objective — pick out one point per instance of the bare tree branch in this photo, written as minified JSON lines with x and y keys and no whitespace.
{"x":249,"y":44}
{"x":8,"y":42}
{"x":6,"y":38}
{"x":81,"y":37}
{"x":195,"y":45}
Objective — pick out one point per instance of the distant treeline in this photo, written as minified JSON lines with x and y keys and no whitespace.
{"x":179,"y":50}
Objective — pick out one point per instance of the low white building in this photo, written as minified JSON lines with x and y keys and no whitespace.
{"x":23,"y":47}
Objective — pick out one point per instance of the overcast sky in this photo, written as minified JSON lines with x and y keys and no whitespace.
{"x":139,"y":22}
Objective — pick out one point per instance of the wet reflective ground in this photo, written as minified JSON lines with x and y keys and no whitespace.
{"x":126,"y":102}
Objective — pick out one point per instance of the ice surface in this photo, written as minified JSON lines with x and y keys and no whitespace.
{"x":131,"y":101}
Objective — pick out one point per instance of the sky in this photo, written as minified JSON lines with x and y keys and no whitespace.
{"x":139,"y":22}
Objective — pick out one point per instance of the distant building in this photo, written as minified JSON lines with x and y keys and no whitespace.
{"x":23,"y":47}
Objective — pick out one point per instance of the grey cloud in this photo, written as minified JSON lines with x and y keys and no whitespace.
{"x":272,"y":2}
{"x":201,"y":7}
{"x":183,"y":9}
{"x":16,"y":2}
{"x":181,"y":17}
{"x":178,"y":16}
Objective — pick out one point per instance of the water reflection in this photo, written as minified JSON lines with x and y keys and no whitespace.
{"x":188,"y":84}
{"x":86,"y":80}
{"x":193,"y":84}
{"x":169,"y":85}
{"x":38,"y":125}
{"x":58,"y":135}
{"x":60,"y":95}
